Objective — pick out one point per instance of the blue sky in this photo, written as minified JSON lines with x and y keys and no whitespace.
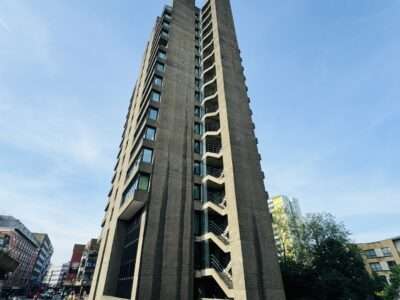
{"x":323,"y":77}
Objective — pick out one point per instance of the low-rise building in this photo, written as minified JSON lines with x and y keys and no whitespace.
{"x":87,"y":265}
{"x":55,"y":276}
{"x":381,"y":256}
{"x":43,"y":258}
{"x":286,"y":221}
{"x":22,"y":246}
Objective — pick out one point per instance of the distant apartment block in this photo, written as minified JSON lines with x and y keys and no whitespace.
{"x":86,"y":268}
{"x":186,"y":215}
{"x":381,"y":256}
{"x":43,"y":258}
{"x":55,"y":276}
{"x":286,"y":220}
{"x":22,"y":246}
{"x":74,"y":264}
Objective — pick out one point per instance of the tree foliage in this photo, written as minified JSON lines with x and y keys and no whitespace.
{"x":392,"y":291}
{"x":328,"y":266}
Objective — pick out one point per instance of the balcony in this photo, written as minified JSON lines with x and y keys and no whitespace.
{"x":211,"y":106}
{"x":209,"y":74}
{"x":210,"y":89}
{"x":212,"y":124}
{"x":213,"y":145}
{"x":208,"y":61}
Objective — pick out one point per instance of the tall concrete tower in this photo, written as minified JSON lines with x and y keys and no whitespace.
{"x":187,"y":215}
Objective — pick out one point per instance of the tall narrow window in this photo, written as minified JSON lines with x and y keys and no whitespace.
{"x":198,"y":128}
{"x":128,"y":257}
{"x":144,"y":182}
{"x":197,"y":147}
{"x":155,"y":96}
{"x":197,"y":71}
{"x":197,"y":83}
{"x":197,"y":168}
{"x":158,"y":81}
{"x":153,"y":114}
{"x":162,"y":55}
{"x":197,"y":192}
{"x":197,"y":96}
{"x":160,"y":67}
{"x":147,"y":155}
{"x":197,"y":111}
{"x":150,"y":133}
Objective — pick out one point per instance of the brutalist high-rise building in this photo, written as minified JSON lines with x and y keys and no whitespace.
{"x":187,"y":215}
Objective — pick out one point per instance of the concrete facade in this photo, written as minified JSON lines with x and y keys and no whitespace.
{"x":187,"y":214}
{"x":381,"y":256}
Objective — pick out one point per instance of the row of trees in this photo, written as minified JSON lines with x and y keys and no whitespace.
{"x":325,"y":265}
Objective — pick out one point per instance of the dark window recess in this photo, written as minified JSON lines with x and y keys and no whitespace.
{"x":197,"y":111}
{"x":198,"y":128}
{"x":128,"y":258}
{"x":197,"y":168}
{"x":160,"y":67}
{"x":197,"y":96}
{"x":197,"y":192}
{"x":197,"y":147}
{"x":150,"y":134}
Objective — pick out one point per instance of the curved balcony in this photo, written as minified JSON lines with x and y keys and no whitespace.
{"x":208,"y":61}
{"x":211,"y":97}
{"x":211,"y":106}
{"x":207,"y":39}
{"x":210,"y":88}
{"x":209,"y":74}
{"x":208,"y":49}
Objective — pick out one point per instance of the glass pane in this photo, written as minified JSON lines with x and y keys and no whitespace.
{"x":143,"y":182}
{"x":153,"y":114}
{"x":160,"y":67}
{"x":155,"y":96}
{"x":150,"y":134}
{"x":147,"y":155}
{"x":197,"y":192}
{"x":158,"y":81}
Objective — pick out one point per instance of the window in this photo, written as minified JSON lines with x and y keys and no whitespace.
{"x":197,"y":83}
{"x":139,"y":183}
{"x":197,"y":96}
{"x":162,"y":55}
{"x":155,"y":96}
{"x":197,"y":192}
{"x":386,"y":251}
{"x":160,"y":67}
{"x":158,"y":80}
{"x":164,"y":33}
{"x":197,"y":111}
{"x":153,"y":114}
{"x":147,"y":155}
{"x":370,"y":253}
{"x":197,"y":71}
{"x":197,"y":147}
{"x":376,"y":267}
{"x":197,"y":168}
{"x":197,"y":59}
{"x":197,"y":128}
{"x":150,"y":133}
{"x":392,"y":264}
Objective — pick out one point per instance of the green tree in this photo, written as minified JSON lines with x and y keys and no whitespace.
{"x":392,"y":290}
{"x":328,"y":266}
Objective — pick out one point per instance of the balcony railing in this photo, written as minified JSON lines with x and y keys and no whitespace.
{"x":212,"y":126}
{"x":213,"y":171}
{"x":213,"y":146}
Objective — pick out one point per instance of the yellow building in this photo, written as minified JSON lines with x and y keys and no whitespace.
{"x":381,"y":256}
{"x":286,"y":216}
